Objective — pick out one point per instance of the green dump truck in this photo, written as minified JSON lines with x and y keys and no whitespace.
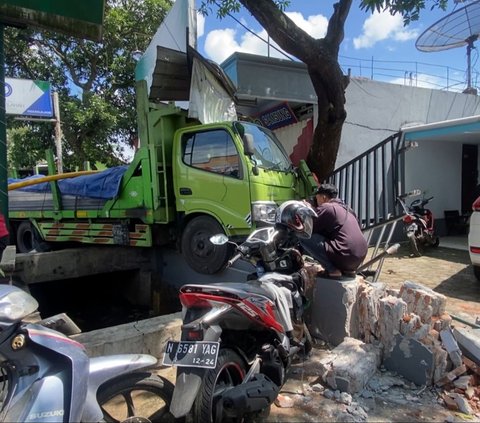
{"x":186,"y":182}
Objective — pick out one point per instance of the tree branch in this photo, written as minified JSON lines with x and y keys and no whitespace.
{"x":336,"y":25}
{"x":281,"y":28}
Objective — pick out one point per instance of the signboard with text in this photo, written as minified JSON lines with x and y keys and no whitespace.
{"x":276,"y":117}
{"x":28,"y":98}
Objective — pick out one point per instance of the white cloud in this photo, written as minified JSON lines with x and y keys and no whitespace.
{"x":200,"y":24}
{"x":315,"y":25}
{"x":221,"y":43}
{"x":382,"y":26}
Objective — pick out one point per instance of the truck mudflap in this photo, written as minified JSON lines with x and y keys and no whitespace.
{"x":187,"y":386}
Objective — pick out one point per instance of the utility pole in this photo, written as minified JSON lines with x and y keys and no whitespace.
{"x":58,"y":133}
{"x":3,"y":133}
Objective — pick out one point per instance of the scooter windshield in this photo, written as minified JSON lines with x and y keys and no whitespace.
{"x":262,"y":234}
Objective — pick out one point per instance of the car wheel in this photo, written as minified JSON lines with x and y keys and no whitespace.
{"x":476,"y":272}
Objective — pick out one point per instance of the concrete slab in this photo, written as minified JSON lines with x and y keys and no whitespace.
{"x":334,"y":313}
{"x":147,"y":336}
{"x":410,"y":359}
{"x":7,"y":263}
{"x":350,"y":365}
{"x":469,"y":342}
{"x":78,"y":262}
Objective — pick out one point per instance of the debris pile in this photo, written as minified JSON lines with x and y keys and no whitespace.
{"x":405,"y":331}
{"x":461,"y":386}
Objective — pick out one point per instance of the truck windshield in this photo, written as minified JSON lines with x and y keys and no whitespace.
{"x":269,"y":153}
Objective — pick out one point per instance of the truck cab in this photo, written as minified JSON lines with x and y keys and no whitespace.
{"x":229,"y":177}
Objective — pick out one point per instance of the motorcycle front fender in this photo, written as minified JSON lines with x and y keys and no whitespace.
{"x":187,"y":386}
{"x":103,"y":369}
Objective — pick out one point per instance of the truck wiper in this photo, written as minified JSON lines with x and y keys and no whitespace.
{"x":275,"y":166}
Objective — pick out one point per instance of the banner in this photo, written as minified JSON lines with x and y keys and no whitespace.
{"x":28,"y":98}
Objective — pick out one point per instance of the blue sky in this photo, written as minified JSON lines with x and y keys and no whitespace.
{"x":379,"y":36}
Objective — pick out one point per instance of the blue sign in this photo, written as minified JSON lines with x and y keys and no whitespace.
{"x":277,"y":117}
{"x":28,"y":98}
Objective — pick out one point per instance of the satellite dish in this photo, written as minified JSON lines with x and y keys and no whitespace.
{"x":459,"y":28}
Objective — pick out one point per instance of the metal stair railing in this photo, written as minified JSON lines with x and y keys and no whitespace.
{"x":370,"y":185}
{"x":371,"y":182}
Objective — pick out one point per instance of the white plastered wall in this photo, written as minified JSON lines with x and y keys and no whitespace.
{"x":436,"y":168}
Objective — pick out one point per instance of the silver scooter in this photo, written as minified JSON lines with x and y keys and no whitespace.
{"x":47,"y":376}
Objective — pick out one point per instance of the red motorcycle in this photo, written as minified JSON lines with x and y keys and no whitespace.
{"x":234,"y":349}
{"x":419,"y":224}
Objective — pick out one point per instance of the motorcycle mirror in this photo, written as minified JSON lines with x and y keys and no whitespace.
{"x":219,"y":239}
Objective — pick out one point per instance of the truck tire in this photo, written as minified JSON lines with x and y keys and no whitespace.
{"x":200,"y":254}
{"x":28,"y":239}
{"x":24,"y":237}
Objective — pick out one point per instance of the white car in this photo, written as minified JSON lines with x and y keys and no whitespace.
{"x":474,"y":238}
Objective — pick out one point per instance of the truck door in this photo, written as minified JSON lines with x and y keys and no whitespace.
{"x":211,"y":178}
{"x":211,"y":183}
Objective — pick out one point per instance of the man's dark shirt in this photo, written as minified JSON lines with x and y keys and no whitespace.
{"x":345,"y":245}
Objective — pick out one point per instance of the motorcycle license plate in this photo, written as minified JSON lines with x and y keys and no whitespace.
{"x":191,"y":354}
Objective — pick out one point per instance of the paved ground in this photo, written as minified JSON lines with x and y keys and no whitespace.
{"x":445,"y":270}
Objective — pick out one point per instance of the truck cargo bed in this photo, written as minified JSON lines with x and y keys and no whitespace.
{"x":43,"y":201}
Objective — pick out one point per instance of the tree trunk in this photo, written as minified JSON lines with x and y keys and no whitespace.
{"x":329,"y":84}
{"x":321,"y":58}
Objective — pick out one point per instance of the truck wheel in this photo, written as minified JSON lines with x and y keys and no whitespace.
{"x":24,"y":237}
{"x":29,"y":239}
{"x":200,"y":254}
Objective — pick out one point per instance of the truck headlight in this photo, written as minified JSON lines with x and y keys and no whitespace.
{"x":264,"y":211}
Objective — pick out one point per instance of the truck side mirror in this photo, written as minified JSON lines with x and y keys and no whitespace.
{"x":248,"y":147}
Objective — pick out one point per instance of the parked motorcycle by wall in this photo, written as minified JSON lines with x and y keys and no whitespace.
{"x":47,"y":376}
{"x":234,"y":350}
{"x":419,"y":223}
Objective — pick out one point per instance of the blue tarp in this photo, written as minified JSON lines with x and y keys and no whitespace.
{"x":104,"y":185}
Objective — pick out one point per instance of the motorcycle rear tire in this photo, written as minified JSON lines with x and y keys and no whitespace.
{"x":139,"y":394}
{"x":229,"y":371}
{"x":415,"y":245}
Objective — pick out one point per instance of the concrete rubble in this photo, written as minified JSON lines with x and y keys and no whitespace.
{"x":406,"y":332}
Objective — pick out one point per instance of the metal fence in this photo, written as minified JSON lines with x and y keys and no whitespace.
{"x":411,"y":73}
{"x":371,"y":182}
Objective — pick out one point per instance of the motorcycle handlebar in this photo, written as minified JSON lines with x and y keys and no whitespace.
{"x":412,"y":193}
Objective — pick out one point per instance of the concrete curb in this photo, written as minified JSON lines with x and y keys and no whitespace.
{"x":147,"y":336}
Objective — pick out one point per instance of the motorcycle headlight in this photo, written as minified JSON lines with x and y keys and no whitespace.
{"x":15,"y":304}
{"x":263,"y":211}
